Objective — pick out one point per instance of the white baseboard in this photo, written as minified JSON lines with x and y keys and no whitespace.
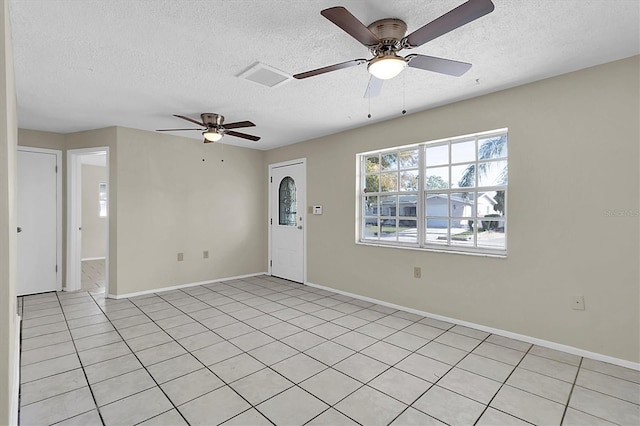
{"x":93,"y":258}
{"x":509,"y":334}
{"x":13,"y":414}
{"x":179,"y":286}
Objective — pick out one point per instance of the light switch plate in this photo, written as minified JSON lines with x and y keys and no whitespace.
{"x":317,"y":209}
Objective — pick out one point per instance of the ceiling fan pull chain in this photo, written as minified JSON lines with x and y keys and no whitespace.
{"x":404,"y":94}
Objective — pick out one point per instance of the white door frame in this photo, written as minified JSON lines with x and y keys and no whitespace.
{"x":74,"y":218}
{"x":58,"y":155}
{"x":302,"y":161}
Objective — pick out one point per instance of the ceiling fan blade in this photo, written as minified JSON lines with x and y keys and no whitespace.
{"x":175,"y":130}
{"x":351,"y":25}
{"x":461,"y":15}
{"x":330,"y":68}
{"x":374,"y":87}
{"x":439,"y":65}
{"x":190,"y":119}
{"x":238,"y":124}
{"x":243,"y":136}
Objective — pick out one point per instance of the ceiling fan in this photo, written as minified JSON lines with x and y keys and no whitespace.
{"x":386,"y":37}
{"x":214,"y":128}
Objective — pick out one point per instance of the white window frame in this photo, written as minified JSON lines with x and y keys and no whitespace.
{"x":422,"y":243}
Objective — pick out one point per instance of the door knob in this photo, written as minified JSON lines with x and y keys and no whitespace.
{"x":19,"y":229}
{"x":299,"y":226}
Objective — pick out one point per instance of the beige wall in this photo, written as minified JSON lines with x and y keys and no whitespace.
{"x":8,"y":153}
{"x":573,"y":152}
{"x":94,"y":227}
{"x":170,"y":201}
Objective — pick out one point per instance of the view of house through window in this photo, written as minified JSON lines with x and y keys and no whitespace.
{"x":102,"y":198}
{"x":448,"y":194}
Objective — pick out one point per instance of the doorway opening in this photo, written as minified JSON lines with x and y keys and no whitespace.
{"x":88,"y":220}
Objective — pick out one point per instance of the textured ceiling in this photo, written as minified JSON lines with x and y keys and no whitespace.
{"x":90,"y":64}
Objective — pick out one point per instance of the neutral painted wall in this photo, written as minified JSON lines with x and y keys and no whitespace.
{"x":94,"y":227}
{"x":573,"y":152}
{"x":8,"y":154}
{"x":171,"y":201}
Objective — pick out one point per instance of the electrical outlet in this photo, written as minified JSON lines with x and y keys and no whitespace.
{"x":180,"y":257}
{"x":205,"y":254}
{"x":577,"y":303}
{"x":417,"y":272}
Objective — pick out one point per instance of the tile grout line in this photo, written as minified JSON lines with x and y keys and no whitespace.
{"x":573,"y":385}
{"x":143,"y":367}
{"x":502,"y":385}
{"x":81,"y":364}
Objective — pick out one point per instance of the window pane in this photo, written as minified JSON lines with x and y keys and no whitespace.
{"x":462,"y":152}
{"x":388,"y":182}
{"x":371,"y":229}
{"x":463,"y":176}
{"x":409,"y":180}
{"x":408,"y":204}
{"x":491,"y":204}
{"x":495,"y":147}
{"x":388,"y":205}
{"x":462,"y":235}
{"x":437,"y":230}
{"x":492,"y":173}
{"x":102,"y":199}
{"x":287,"y":202}
{"x":409,"y":159}
{"x":408,"y":231}
{"x":372,"y":164}
{"x":437,"y":178}
{"x":389,"y":161}
{"x":437,"y":204}
{"x":437,"y":155}
{"x":388,"y":230}
{"x":491,"y":234}
{"x":370,"y":205}
{"x":372,"y":182}
{"x":462,"y":204}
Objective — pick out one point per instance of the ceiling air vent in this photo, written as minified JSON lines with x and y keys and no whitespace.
{"x":265,"y":75}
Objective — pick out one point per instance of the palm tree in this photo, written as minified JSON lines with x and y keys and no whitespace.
{"x":491,"y":148}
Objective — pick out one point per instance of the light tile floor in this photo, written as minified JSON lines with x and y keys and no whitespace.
{"x":263,"y":351}
{"x":93,"y":275}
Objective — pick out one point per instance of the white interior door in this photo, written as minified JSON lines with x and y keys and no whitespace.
{"x":37,"y":223}
{"x":288,"y":201}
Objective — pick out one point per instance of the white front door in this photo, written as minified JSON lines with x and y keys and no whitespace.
{"x":37,"y":256}
{"x":288,"y":201}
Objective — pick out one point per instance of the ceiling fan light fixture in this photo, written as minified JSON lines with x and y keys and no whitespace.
{"x":387,"y":66}
{"x":212,"y":135}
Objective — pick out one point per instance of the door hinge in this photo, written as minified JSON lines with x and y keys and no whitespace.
{"x":56,"y":169}
{"x":271,"y":221}
{"x":56,"y":268}
{"x":271,"y":179}
{"x":271,"y":263}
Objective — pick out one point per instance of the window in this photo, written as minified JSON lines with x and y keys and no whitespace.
{"x":102,"y":198}
{"x":287,"y":202}
{"x":448,"y":195}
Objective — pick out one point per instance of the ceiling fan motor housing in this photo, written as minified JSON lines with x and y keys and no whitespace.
{"x":212,"y":119}
{"x":390,"y":31}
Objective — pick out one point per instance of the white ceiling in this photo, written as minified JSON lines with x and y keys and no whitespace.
{"x":96,"y":63}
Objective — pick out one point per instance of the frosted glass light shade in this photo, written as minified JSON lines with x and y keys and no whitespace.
{"x":386,"y":67}
{"x":212,"y":135}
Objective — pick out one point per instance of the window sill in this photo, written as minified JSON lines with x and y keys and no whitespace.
{"x":434,"y":250}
